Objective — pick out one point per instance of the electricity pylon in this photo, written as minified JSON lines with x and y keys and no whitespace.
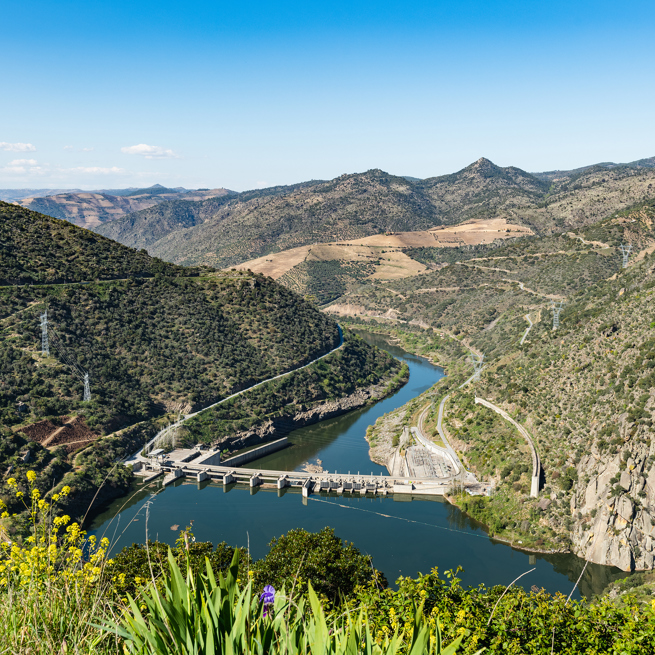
{"x":625,"y":251}
{"x":87,"y":388}
{"x":557,"y":309}
{"x":45,"y":346}
{"x":477,"y":361}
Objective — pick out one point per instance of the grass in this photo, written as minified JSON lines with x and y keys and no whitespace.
{"x":58,"y":596}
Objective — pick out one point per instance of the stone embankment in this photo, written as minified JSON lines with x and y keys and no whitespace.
{"x":280,"y":427}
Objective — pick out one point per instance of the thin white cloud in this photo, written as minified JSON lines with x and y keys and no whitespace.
{"x":97,"y":170}
{"x":17,"y":147}
{"x":23,"y":162}
{"x":87,"y":149}
{"x":149,"y":152}
{"x":69,"y":148}
{"x":23,"y":167}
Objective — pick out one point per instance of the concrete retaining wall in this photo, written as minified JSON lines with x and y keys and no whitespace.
{"x":435,"y":449}
{"x":536,"y":463}
{"x":255,"y":453}
{"x":213,"y":458}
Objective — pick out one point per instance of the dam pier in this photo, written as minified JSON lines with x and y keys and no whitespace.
{"x":200,"y":465}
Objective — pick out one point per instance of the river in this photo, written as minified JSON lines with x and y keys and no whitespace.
{"x":404,"y":536}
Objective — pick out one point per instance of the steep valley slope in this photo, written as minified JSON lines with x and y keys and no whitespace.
{"x":156,"y":339}
{"x":585,"y":391}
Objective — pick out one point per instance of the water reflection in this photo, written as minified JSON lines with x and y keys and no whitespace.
{"x":404,"y":535}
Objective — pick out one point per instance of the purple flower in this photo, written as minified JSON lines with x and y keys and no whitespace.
{"x":267,"y":597}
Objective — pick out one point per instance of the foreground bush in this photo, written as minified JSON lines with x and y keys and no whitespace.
{"x":201,"y":616}
{"x":513,"y":621}
{"x":332,"y":567}
{"x":138,"y":565}
{"x":52,"y":586}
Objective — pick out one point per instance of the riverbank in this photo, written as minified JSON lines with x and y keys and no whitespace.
{"x":276,"y":428}
{"x":483,"y":444}
{"x":509,"y":542}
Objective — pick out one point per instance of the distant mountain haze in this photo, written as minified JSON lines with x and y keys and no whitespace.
{"x":10,"y":195}
{"x":231,"y":229}
{"x":90,"y":209}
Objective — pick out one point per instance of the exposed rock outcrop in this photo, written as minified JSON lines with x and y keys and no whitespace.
{"x":613,"y":511}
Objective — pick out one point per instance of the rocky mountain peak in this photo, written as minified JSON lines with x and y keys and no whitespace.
{"x":483,"y":165}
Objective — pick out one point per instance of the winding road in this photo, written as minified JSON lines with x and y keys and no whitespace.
{"x":162,"y":433}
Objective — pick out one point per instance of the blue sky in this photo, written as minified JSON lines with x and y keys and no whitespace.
{"x":103,"y":94}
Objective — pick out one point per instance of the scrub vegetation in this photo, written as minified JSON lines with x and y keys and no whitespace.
{"x":312,"y":593}
{"x":155,"y":344}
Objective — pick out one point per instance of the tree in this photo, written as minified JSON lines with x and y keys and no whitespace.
{"x":335,"y":568}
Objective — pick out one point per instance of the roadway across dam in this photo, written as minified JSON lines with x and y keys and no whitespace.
{"x":203,"y":465}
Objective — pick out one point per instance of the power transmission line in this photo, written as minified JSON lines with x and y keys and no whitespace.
{"x":65,"y":355}
{"x":625,"y":251}
{"x":50,"y":335}
{"x":557,"y":310}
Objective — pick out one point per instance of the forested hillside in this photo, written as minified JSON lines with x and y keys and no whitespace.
{"x":39,"y":249}
{"x":584,"y":391}
{"x":153,"y":345}
{"x":226,"y":231}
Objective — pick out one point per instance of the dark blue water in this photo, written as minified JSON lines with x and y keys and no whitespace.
{"x":340,"y":443}
{"x":404,"y":536}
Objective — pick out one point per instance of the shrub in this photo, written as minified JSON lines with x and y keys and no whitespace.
{"x":334,"y":568}
{"x":201,"y":615}
{"x":52,"y":586}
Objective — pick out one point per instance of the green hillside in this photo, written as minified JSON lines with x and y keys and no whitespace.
{"x":585,"y":391}
{"x":39,"y":249}
{"x":152,"y":346}
{"x":155,"y":343}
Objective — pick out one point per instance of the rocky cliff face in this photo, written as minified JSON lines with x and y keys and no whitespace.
{"x":614,"y":511}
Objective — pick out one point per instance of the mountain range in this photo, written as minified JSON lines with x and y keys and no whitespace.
{"x":92,"y":208}
{"x":235,"y":228}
